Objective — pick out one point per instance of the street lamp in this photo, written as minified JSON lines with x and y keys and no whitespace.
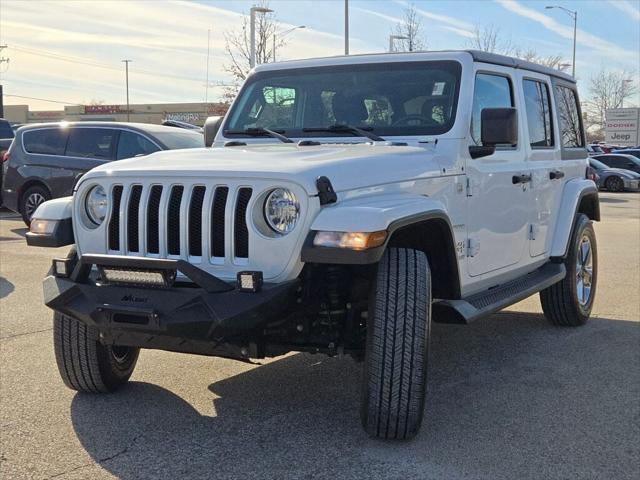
{"x":395,"y":37}
{"x":282,"y":34}
{"x":573,"y":14}
{"x":126,"y":69}
{"x":254,"y":10}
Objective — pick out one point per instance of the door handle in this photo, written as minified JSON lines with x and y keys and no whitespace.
{"x":516,"y":179}
{"x":555,"y":174}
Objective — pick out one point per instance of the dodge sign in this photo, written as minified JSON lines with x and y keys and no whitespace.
{"x":622,"y":126}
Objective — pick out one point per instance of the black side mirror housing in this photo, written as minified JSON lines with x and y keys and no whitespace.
{"x":211,"y":127}
{"x":498,"y":126}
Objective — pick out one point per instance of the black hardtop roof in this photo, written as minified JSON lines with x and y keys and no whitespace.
{"x":477,"y":55}
{"x":504,"y":60}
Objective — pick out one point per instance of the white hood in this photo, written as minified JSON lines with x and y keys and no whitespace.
{"x":348,"y":166}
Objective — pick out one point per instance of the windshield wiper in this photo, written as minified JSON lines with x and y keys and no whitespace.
{"x":342,"y":128}
{"x":260,"y":131}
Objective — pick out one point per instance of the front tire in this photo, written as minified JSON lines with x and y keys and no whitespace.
{"x":569,"y":302}
{"x":85,"y":364}
{"x":31,"y":199}
{"x":615,"y":184}
{"x":395,"y":374}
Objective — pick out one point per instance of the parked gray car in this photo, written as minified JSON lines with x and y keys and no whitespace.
{"x":615,"y":179}
{"x":46,"y":160}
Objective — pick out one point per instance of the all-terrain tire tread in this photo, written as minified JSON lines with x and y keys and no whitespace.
{"x":557,"y":301}
{"x":396,"y":357}
{"x":76,"y":353}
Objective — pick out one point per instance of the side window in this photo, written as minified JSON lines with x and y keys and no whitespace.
{"x":538,"y":108}
{"x":131,"y":144}
{"x":50,"y":141}
{"x":618,"y":162}
{"x":491,"y":91}
{"x":606,"y":161}
{"x":570,"y":123}
{"x":91,"y":143}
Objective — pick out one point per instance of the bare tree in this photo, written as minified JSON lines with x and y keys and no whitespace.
{"x":530,"y":55}
{"x":487,"y":38}
{"x":410,"y":31}
{"x":238,"y":43}
{"x":607,"y":89}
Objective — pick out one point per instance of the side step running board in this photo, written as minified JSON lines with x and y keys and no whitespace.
{"x":496,"y":298}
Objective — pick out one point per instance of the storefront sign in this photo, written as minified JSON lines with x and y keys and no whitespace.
{"x":189,"y":117}
{"x":101,"y":109}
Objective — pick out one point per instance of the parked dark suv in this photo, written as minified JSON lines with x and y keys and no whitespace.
{"x":46,"y":160}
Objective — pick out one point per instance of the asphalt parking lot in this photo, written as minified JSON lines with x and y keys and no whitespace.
{"x":509,"y":396}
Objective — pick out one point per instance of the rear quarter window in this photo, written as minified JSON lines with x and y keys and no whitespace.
{"x":47,"y":141}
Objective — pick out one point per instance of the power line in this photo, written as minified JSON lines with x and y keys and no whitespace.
{"x":89,"y":62}
{"x":42,"y":99}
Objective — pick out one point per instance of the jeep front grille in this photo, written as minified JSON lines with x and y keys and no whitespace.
{"x":169,"y":221}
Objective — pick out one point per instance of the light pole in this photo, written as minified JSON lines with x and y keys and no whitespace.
{"x":254,"y":10}
{"x":573,"y":14}
{"x":628,"y":80}
{"x":282,"y":34}
{"x":395,"y":37}
{"x":126,"y":69}
{"x":346,"y":27}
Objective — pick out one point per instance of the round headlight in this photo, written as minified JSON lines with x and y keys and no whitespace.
{"x":96,"y":204}
{"x":281,"y":210}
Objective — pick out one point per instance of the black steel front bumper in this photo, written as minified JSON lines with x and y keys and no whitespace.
{"x":184,"y":317}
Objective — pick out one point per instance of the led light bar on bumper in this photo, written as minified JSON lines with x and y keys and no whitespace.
{"x":140,"y":277}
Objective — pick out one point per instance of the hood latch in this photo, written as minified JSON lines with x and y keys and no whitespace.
{"x":326,"y":193}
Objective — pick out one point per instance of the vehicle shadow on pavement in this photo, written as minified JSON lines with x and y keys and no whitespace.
{"x":6,"y":287}
{"x":509,"y":397}
{"x":22,"y":232}
{"x":613,"y":200}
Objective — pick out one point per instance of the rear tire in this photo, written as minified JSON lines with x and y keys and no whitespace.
{"x":30,"y":200}
{"x":395,"y":374}
{"x":85,"y":364}
{"x":614,"y":184}
{"x":569,"y":302}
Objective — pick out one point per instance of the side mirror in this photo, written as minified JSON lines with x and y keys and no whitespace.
{"x":211,"y":127}
{"x":498,"y":126}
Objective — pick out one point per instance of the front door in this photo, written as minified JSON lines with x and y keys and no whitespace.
{"x":499,"y":195}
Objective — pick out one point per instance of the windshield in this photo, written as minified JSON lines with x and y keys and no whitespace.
{"x":598,"y":165}
{"x":180,"y":139}
{"x":410,"y":98}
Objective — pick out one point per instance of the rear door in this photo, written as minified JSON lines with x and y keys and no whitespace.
{"x":543,"y":154}
{"x":43,"y":158}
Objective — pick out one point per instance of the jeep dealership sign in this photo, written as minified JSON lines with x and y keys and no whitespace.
{"x":621,"y":127}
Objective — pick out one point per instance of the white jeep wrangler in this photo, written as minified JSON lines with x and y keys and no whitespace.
{"x":346,"y":203}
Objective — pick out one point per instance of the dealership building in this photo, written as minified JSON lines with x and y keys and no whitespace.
{"x":195,"y":113}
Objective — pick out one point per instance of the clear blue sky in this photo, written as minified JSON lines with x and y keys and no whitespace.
{"x":70,"y":51}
